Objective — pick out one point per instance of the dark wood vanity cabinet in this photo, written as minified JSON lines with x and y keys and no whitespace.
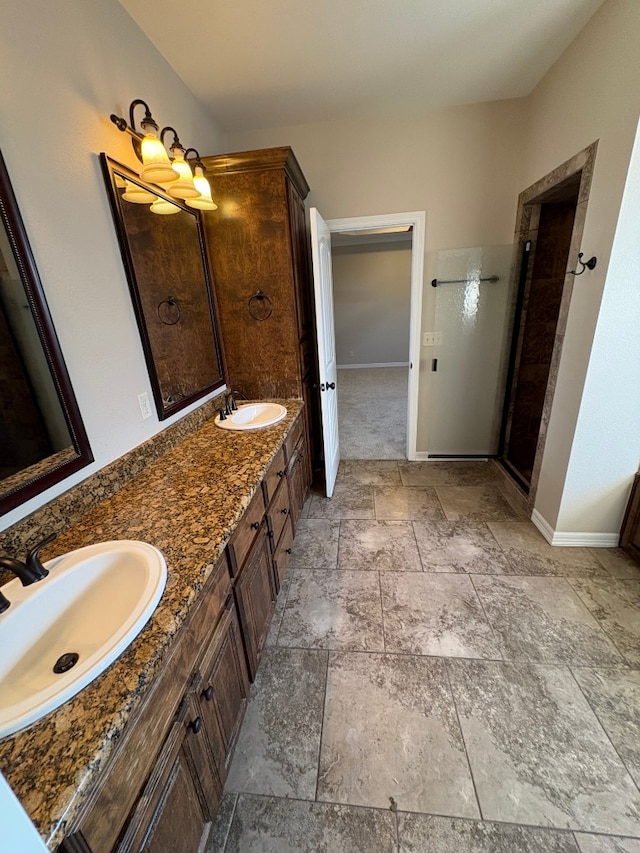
{"x":256,"y":595}
{"x":161,"y":787}
{"x":259,"y":248}
{"x":184,"y":782}
{"x":630,"y":533}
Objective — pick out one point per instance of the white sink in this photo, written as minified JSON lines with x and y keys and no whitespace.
{"x":94,"y":602}
{"x":253,"y":416}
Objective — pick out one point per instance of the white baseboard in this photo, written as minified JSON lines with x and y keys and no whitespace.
{"x":574,"y":540}
{"x":375,"y":364}
{"x":421,"y":456}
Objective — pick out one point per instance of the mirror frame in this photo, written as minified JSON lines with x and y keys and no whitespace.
{"x":110,"y":167}
{"x":23,"y":256}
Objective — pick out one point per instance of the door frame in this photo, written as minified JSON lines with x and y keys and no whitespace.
{"x":416,"y":219}
{"x":526,"y":230}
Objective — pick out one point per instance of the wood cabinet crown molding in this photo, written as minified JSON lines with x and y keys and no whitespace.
{"x":264,"y":158}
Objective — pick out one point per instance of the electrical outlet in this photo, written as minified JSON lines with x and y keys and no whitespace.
{"x":145,"y":405}
{"x":428,"y":339}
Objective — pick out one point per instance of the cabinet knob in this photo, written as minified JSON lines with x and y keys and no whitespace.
{"x":196,"y":725}
{"x":208,"y":693}
{"x":284,"y":510}
{"x":256,"y":525}
{"x":280,"y":473}
{"x":288,"y":550}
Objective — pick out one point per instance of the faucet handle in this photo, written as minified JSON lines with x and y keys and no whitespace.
{"x":33,"y":559}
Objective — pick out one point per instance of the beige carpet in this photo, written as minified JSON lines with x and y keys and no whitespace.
{"x":372,"y":412}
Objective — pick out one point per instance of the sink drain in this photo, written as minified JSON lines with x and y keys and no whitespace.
{"x":66,"y":662}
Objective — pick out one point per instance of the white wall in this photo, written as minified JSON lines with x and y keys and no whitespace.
{"x":371,"y":303}
{"x":65,"y":67}
{"x":462,"y":165}
{"x":593,"y":439}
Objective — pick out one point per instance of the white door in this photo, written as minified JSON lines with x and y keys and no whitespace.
{"x":323,"y":289}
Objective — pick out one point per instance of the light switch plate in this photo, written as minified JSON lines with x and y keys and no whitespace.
{"x":145,"y":405}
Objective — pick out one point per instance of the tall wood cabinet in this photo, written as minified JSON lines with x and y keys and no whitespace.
{"x":258,"y":243}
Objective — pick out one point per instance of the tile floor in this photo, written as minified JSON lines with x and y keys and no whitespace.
{"x":438,"y":679}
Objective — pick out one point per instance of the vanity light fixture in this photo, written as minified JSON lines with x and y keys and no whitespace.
{"x":164,"y":207}
{"x":137,"y":194}
{"x":204,"y":200}
{"x":181,"y":183}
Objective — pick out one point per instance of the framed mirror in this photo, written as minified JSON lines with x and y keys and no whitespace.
{"x":165,"y":259}
{"x":42,"y":437}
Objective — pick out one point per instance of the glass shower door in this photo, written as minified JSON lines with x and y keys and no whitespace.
{"x":470,"y":341}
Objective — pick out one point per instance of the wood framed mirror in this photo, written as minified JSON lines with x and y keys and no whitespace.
{"x":42,"y":437}
{"x":167,"y":268}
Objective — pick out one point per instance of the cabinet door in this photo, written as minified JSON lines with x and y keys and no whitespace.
{"x":298,"y":482}
{"x":255,"y":597}
{"x":225,"y":688}
{"x":630,"y":534}
{"x":177,"y":807}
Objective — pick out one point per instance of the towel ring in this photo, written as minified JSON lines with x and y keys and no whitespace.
{"x":171,"y":314}
{"x":260,"y":306}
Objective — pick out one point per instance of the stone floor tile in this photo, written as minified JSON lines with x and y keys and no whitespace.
{"x":428,"y":834}
{"x":316,"y":544}
{"x":457,"y":546}
{"x":606,"y":844}
{"x":435,"y":614}
{"x":390,"y":730}
{"x":542,"y":619}
{"x":615,"y":604}
{"x":529,"y":553}
{"x":435,"y":473}
{"x":397,"y":503}
{"x":537,"y":751}
{"x":332,"y":610}
{"x":348,"y":501}
{"x":475,"y":503}
{"x":617,"y":563}
{"x":368,"y":472}
{"x":277,"y":750}
{"x":615,"y":697}
{"x":273,"y":825}
{"x":278,"y":611}
{"x":381,"y":546}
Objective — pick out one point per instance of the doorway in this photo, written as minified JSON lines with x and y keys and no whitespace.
{"x":550,"y":222}
{"x":372,"y":309}
{"x":321,"y":232}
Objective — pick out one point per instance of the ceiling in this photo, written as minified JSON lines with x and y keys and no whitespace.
{"x":268,"y":63}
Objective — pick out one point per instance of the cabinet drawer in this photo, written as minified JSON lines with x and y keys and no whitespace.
{"x":279,"y":511}
{"x":283,"y":551}
{"x":274,"y":476}
{"x":249,"y":526}
{"x":292,"y":439}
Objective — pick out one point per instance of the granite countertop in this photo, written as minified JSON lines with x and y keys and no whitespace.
{"x":187,"y":503}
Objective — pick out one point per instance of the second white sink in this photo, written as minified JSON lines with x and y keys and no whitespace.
{"x":92,"y":604}
{"x":253,"y":416}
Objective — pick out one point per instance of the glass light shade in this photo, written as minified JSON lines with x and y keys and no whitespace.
{"x":204,"y":200}
{"x":183,"y":187}
{"x":137,"y":194}
{"x":164,"y":207}
{"x":156,"y":167}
